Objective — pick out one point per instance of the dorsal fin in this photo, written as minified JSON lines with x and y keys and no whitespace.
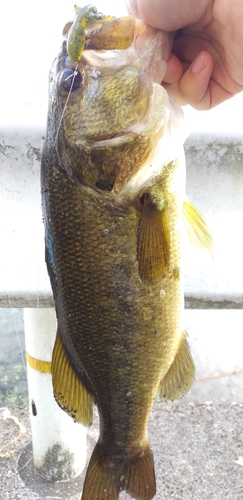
{"x":196,"y":226}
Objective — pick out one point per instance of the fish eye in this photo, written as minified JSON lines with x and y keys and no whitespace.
{"x":70,"y":79}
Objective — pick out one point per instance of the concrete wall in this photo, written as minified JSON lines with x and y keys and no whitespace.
{"x":214,"y":183}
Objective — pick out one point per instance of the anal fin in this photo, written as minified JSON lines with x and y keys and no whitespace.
{"x":69,"y":392}
{"x":153,"y":247}
{"x":180,"y":375}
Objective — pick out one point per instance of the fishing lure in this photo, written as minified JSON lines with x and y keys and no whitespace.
{"x":76,"y":34}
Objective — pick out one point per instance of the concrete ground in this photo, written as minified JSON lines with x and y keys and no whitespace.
{"x":198,"y":452}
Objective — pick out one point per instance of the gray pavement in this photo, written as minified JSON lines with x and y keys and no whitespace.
{"x":198,"y":451}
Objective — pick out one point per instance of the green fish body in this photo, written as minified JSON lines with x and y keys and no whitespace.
{"x":113,"y":179}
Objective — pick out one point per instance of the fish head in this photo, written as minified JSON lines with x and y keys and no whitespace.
{"x":104,"y":94}
{"x":107,"y":110}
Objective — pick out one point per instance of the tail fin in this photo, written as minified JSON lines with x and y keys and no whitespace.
{"x":139,"y":477}
{"x":104,"y":480}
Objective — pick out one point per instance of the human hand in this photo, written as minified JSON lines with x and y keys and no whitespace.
{"x":206,"y":63}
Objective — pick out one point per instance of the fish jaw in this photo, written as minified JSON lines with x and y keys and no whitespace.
{"x":165,"y":125}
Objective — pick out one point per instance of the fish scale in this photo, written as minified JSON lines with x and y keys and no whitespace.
{"x":90,"y":300}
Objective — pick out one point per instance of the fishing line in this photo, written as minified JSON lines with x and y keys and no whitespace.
{"x":68,"y":97}
{"x":17,"y":335}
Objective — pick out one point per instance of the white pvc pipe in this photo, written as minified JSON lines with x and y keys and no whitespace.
{"x":59,"y":444}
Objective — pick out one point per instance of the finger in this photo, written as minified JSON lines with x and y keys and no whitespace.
{"x":194,"y":84}
{"x":190,"y":85}
{"x":167,"y":15}
{"x":174,"y":72}
{"x":197,"y":86}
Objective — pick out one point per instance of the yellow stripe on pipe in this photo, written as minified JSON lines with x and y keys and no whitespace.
{"x":38,"y":365}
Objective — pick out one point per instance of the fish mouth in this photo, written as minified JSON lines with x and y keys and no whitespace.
{"x":105,"y":44}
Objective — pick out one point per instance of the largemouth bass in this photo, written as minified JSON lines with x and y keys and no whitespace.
{"x":113,"y":181}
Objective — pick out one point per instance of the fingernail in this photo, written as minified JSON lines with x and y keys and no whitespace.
{"x":199,"y":64}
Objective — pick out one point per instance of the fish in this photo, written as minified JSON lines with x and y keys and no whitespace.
{"x":113,"y":198}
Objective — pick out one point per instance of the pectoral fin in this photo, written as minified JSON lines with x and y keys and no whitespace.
{"x":196,"y":226}
{"x":153,"y":247}
{"x":180,"y":376}
{"x":69,"y":391}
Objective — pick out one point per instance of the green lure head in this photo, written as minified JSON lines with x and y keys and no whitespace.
{"x":76,"y":34}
